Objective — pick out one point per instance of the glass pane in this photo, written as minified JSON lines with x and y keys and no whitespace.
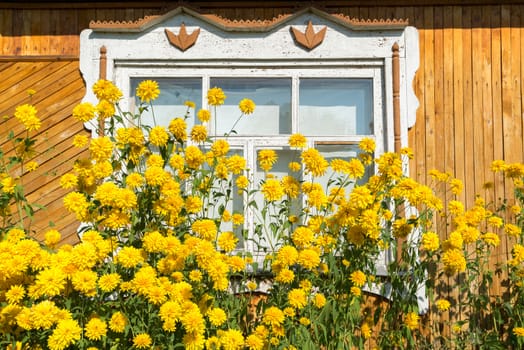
{"x":336,"y":107}
{"x":344,"y":152}
{"x":170,"y":104}
{"x":272,"y":97}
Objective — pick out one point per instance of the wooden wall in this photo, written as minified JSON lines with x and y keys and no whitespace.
{"x":468,"y":84}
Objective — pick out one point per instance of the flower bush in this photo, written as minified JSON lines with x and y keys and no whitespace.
{"x":160,"y":265}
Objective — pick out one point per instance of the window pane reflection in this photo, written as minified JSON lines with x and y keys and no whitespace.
{"x":272,"y":97}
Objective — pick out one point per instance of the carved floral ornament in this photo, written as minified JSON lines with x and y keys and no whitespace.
{"x":182,"y":41}
{"x":308,"y":39}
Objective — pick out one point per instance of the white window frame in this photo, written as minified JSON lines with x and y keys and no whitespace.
{"x":143,"y":51}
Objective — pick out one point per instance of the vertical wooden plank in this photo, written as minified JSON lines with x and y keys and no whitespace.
{"x":36,"y":31}
{"x":469,"y":186}
{"x":54,"y":25}
{"x":487,"y":101}
{"x":45,"y":28}
{"x":6,"y":26}
{"x":496,"y":93}
{"x":476,"y":121}
{"x":25,"y":35}
{"x":17,"y":28}
{"x":448,"y":90}
{"x":429,"y":88}
{"x":458,"y":97}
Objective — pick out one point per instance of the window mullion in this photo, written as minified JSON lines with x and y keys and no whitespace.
{"x":294,"y":103}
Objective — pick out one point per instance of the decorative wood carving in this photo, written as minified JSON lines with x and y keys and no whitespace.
{"x":256,"y":25}
{"x":395,"y":62}
{"x":309,"y":39}
{"x":183,"y":41}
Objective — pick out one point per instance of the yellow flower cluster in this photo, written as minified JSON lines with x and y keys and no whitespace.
{"x":163,"y":234}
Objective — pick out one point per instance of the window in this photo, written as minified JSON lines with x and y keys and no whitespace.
{"x":335,"y":93}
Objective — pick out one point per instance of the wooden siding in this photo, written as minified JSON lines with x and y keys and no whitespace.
{"x":59,"y":87}
{"x":468,"y":84}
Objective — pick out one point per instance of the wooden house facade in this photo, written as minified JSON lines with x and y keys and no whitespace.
{"x":468,"y":82}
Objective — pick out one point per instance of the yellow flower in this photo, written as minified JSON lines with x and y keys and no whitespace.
{"x":491,"y":239}
{"x":142,"y":341}
{"x":309,"y":258}
{"x":356,"y":291}
{"x":118,"y":322}
{"x":215,"y":96}
{"x":85,"y":282}
{"x":105,"y":109}
{"x":297,"y":141}
{"x":84,"y":112}
{"x":358,"y":278}
{"x":95,"y":329}
{"x":232,"y":339}
{"x":106,"y":90}
{"x":304,"y":321}
{"x":26,"y":114}
{"x":8,"y":185}
{"x":236,"y":164}
{"x":227,"y":241}
{"x":266,"y":159}
{"x":287,"y":255}
{"x":454,"y":261}
{"x":31,"y":92}
{"x":518,"y":331}
{"x":456,"y":186}
{"x":238,"y":219}
{"x":80,"y":141}
{"x":319,"y":300}
{"x":52,"y":237}
{"x":216,"y":316}
{"x":273,"y":316}
{"x":242,"y":182}
{"x":15,"y":294}
{"x":498,"y":165}
{"x":205,"y":228}
{"x":297,"y":298}
{"x":204,"y":115}
{"x":194,"y":157}
{"x":101,"y":148}
{"x":189,"y":104}
{"x":285,"y":276}
{"x":294,"y":166}
{"x":108,"y":282}
{"x":178,"y":128}
{"x":31,"y":166}
{"x":50,"y":282}
{"x":251,"y":285}
{"x":512,"y":230}
{"x":158,"y":136}
{"x":365,"y":330}
{"x":147,"y":90}
{"x":134,"y":180}
{"x":66,"y":333}
{"x":254,"y":342}
{"x":367,"y":145}
{"x":246,"y":106}
{"x":129,"y":257}
{"x":314,"y":162}
{"x":430,"y":241}
{"x":442,"y":304}
{"x":302,"y":237}
{"x":272,"y":190}
{"x":411,"y":320}
{"x":198,"y":133}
